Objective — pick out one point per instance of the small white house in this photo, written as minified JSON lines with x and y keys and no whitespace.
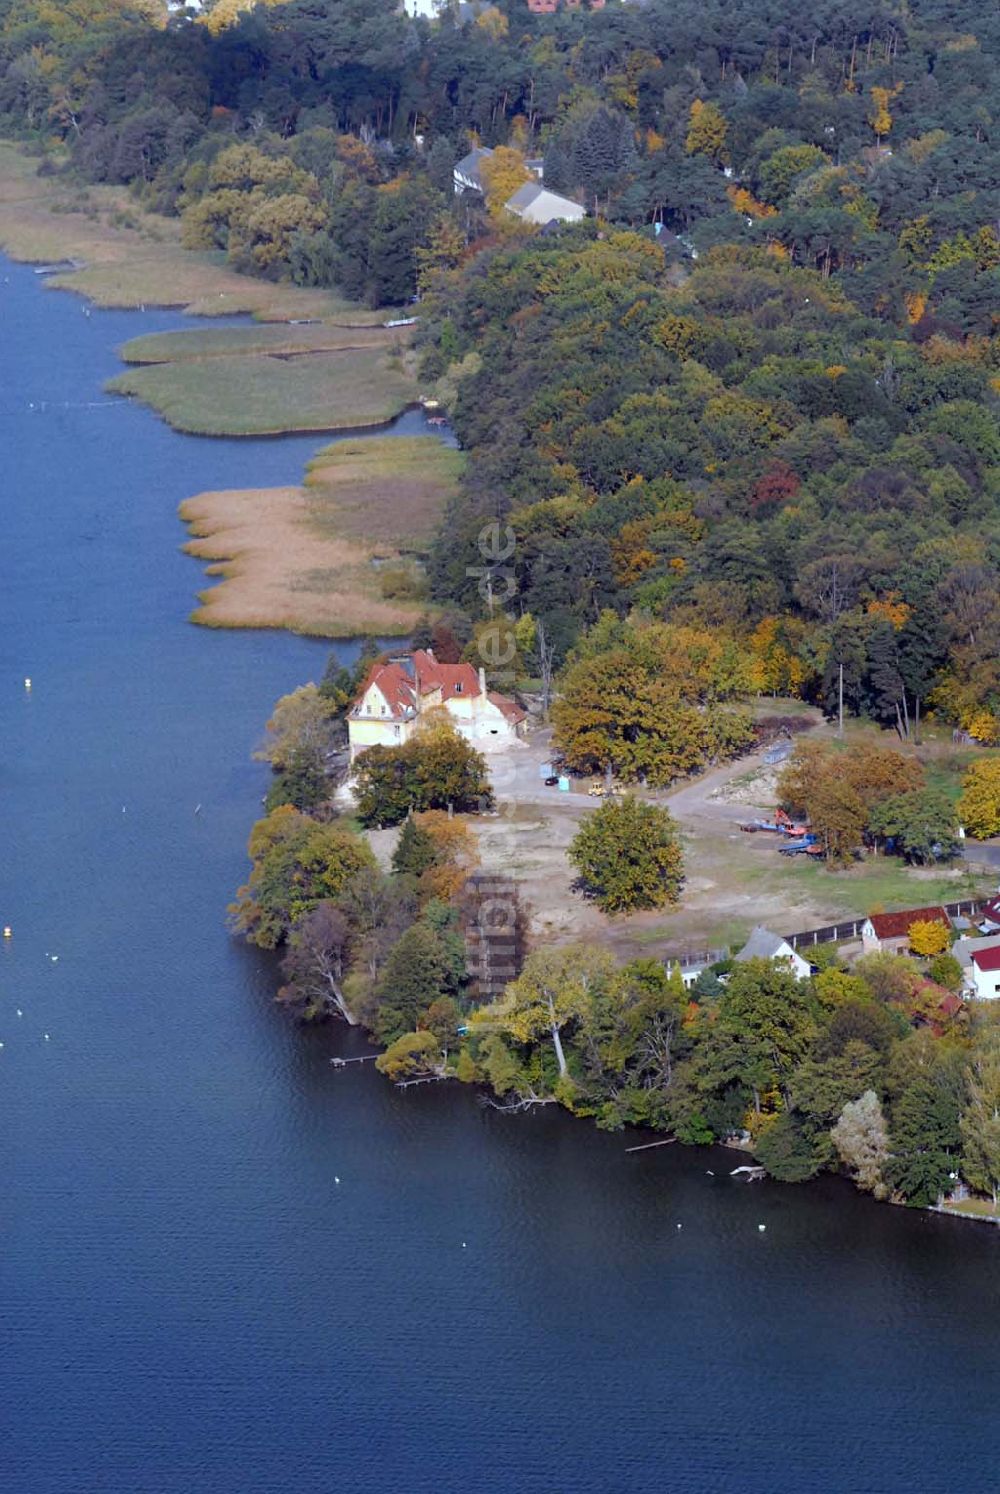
{"x":465,"y":173}
{"x":534,"y":203}
{"x":980,"y":962}
{"x":429,"y":9}
{"x":763,"y":945}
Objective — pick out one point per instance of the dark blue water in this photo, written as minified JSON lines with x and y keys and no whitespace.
{"x":191,"y":1304}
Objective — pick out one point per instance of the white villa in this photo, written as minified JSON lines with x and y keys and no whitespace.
{"x":403,"y":688}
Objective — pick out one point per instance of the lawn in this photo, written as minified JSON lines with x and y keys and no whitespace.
{"x":263,"y":395}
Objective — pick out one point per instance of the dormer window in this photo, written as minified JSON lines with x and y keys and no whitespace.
{"x":458,"y":688}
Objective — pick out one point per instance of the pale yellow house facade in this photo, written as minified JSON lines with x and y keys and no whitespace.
{"x":402,"y":689}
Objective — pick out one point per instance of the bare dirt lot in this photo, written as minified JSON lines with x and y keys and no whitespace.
{"x":734,"y":880}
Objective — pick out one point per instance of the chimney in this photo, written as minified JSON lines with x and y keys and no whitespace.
{"x":482,"y":681}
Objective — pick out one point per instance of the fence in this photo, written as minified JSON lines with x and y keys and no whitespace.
{"x":832,"y":933}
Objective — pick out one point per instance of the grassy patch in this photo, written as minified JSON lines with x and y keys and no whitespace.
{"x":976,"y":1208}
{"x":276,"y":339}
{"x":253,"y":396}
{"x":877,"y":882}
{"x":387,"y":494}
{"x":301,"y":558}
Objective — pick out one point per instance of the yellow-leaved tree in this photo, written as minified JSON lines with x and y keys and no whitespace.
{"x":878,"y":113}
{"x":979,"y":806}
{"x":226,"y":12}
{"x":928,"y":937}
{"x":502,"y":173}
{"x":706,"y":134}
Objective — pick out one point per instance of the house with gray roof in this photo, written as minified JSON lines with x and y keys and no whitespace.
{"x":466,"y":171}
{"x":763,"y":945}
{"x":534,"y":203}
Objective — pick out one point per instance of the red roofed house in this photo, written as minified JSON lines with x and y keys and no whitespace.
{"x":400,"y":690}
{"x":980,"y":962}
{"x":890,"y":932}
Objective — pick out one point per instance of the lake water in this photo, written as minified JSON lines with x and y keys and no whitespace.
{"x":191,"y":1303}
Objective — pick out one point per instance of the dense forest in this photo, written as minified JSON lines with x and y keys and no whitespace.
{"x":754,"y":393}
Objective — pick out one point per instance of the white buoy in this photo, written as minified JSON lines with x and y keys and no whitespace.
{"x":7,"y":931}
{"x":680,"y":1226}
{"x":55,"y":959}
{"x":464,"y":1246}
{"x":27,"y":681}
{"x":336,"y":1180}
{"x":46,"y":1036}
{"x":762,"y":1227}
{"x":19,"y":1012}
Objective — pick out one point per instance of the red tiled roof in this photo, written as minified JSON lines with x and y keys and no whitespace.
{"x":895,"y":925}
{"x":450,"y":679}
{"x":510,"y":708}
{"x":402,"y":686}
{"x":987,"y":959}
{"x":396,"y":686}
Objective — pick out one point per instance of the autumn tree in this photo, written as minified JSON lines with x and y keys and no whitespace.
{"x":628,"y":856}
{"x":303,"y":721}
{"x":411,"y":1055}
{"x":436,"y":769}
{"x":706,"y":134}
{"x":455,"y":853}
{"x":979,"y":805}
{"x":928,"y":937}
{"x":554,"y":990}
{"x":297,"y":863}
{"x":502,"y":173}
{"x":650,"y":701}
{"x":862,"y":1141}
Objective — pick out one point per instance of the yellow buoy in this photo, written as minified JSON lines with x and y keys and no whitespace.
{"x":6,"y":931}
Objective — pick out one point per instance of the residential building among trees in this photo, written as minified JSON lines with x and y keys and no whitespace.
{"x":402,"y":689}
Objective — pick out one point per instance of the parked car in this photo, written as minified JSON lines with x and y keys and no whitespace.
{"x":553,"y":781}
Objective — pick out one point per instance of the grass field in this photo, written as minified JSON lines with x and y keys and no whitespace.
{"x":302,"y":558}
{"x":273,"y":339}
{"x":264,"y":395}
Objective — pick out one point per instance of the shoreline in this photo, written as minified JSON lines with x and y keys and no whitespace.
{"x":96,"y":255}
